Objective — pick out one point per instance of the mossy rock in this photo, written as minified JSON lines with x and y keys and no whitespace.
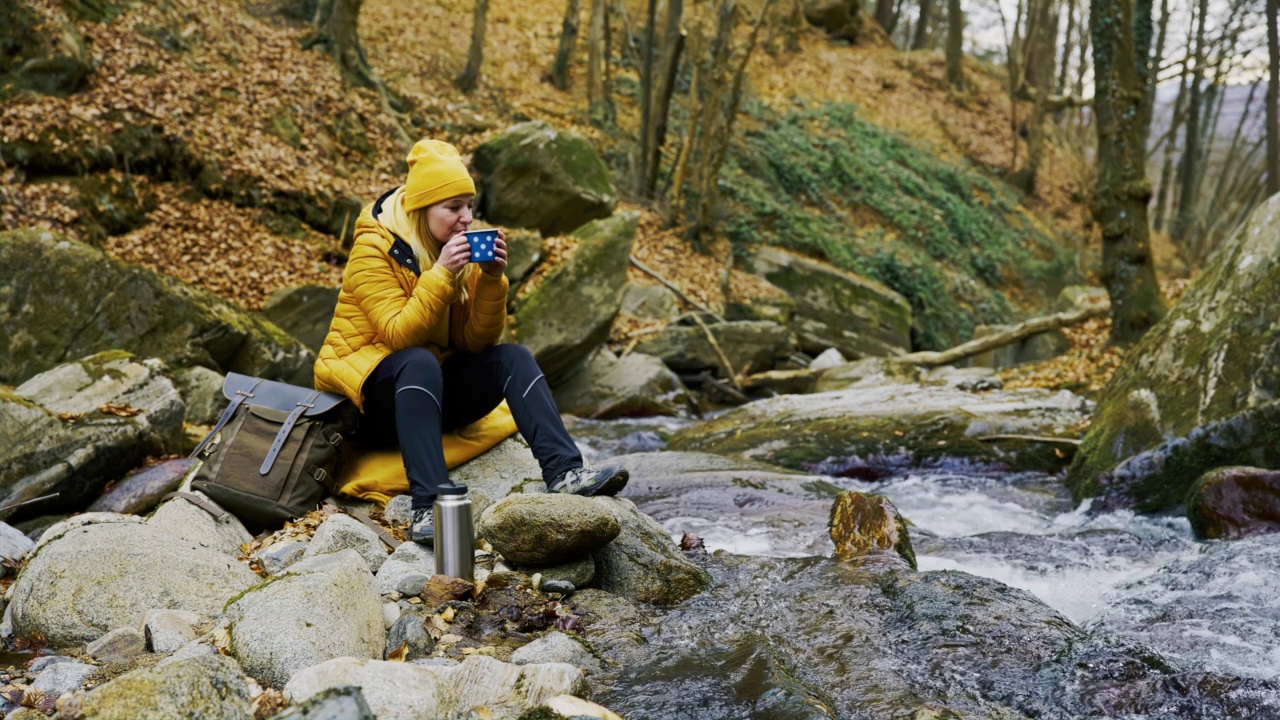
{"x":45,"y":55}
{"x":866,"y":524}
{"x":1235,"y":502}
{"x":534,"y":176}
{"x":1199,"y":389}
{"x":117,"y":306}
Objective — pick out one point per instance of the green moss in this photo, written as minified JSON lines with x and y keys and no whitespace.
{"x":96,"y":365}
{"x":827,"y":184}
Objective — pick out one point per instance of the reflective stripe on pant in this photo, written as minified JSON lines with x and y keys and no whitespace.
{"x":412,"y":399}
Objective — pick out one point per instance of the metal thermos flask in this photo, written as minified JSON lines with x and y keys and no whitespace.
{"x":455,"y":543}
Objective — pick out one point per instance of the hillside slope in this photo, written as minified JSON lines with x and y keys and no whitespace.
{"x":206,"y":144}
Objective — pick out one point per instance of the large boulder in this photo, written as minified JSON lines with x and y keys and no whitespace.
{"x":321,"y":608}
{"x":70,"y":431}
{"x":303,"y":311}
{"x":1235,"y":502}
{"x":184,"y":519}
{"x":209,"y":686}
{"x":477,"y":687}
{"x":643,"y":563}
{"x":569,"y":314}
{"x":844,"y":20}
{"x":132,"y":309}
{"x":1200,"y":390}
{"x":876,"y":431}
{"x":83,"y":580}
{"x":636,"y":385}
{"x":835,"y":308}
{"x":547,"y":528}
{"x":749,"y":345}
{"x":42,"y":51}
{"x":534,"y":176}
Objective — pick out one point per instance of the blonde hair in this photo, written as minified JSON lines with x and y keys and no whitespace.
{"x":427,"y":249}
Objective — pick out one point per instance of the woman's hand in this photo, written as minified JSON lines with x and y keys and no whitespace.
{"x":455,"y":254}
{"x":498,"y":264}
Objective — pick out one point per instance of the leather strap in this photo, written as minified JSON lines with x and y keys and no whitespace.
{"x":360,"y":515}
{"x":205,"y":505}
{"x":302,"y":406}
{"x":241,"y":396}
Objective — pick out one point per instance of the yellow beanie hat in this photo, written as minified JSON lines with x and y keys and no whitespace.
{"x":436,"y":172}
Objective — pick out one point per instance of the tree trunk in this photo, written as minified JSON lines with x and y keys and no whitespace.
{"x":1120,"y":200}
{"x":1166,"y":172}
{"x":1273,"y":99}
{"x":1066,"y":47}
{"x":955,"y":44}
{"x":568,"y":37}
{"x":1153,"y":67}
{"x":663,"y":80}
{"x":1185,"y":211}
{"x":923,"y":23}
{"x":1041,"y":33}
{"x":470,"y":77}
{"x":596,"y":98}
{"x":885,"y":14}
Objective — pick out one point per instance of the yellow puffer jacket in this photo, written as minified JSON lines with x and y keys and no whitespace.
{"x":386,"y":306}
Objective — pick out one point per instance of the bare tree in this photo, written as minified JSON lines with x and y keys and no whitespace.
{"x":1273,"y":99}
{"x":470,"y":77}
{"x":658,"y":83}
{"x":597,"y":57}
{"x":1122,"y":194}
{"x":955,"y":44}
{"x":923,"y":25}
{"x":885,"y":15}
{"x":1191,"y":146}
{"x":568,"y":37}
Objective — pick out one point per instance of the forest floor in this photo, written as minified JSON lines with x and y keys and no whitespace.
{"x":244,"y":70}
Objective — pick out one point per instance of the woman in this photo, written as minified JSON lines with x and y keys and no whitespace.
{"x":413,"y":341}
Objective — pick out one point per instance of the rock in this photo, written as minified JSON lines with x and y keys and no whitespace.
{"x":63,"y":677}
{"x":303,"y":311}
{"x":524,"y":252}
{"x":867,"y":524}
{"x":507,"y":468}
{"x":168,"y":631}
{"x":750,"y":346}
{"x":637,"y":385}
{"x":557,"y":647}
{"x":1074,"y":297}
{"x":578,"y":572}
{"x":195,"y":648}
{"x":411,"y":585}
{"x":62,"y":527}
{"x":134,"y":310}
{"x":409,"y":636}
{"x":1200,"y":391}
{"x":834,"y":308}
{"x":440,"y":589}
{"x":575,"y":707}
{"x":405,"y":690}
{"x":562,"y":587}
{"x":339,"y":703}
{"x":643,"y":563}
{"x":211,"y":686}
{"x":27,"y":713}
{"x":534,"y":176}
{"x":54,"y":61}
{"x":70,"y":590}
{"x":41,"y":663}
{"x":844,"y":20}
{"x":399,"y":509}
{"x":547,"y":529}
{"x":1036,"y":348}
{"x":343,"y":532}
{"x":867,"y":372}
{"x":878,"y":430}
{"x":143,"y":489}
{"x":44,"y":454}
{"x":279,"y":555}
{"x":183,"y":519}
{"x":120,"y":646}
{"x":569,"y":314}
{"x":324,"y":607}
{"x":14,"y":546}
{"x":1235,"y":502}
{"x":650,"y":302}
{"x":201,"y":390}
{"x":408,"y":560}
{"x":390,"y":614}
{"x":828,"y":358}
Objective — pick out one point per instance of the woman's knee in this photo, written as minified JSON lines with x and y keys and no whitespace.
{"x":416,"y":365}
{"x":514,"y":356}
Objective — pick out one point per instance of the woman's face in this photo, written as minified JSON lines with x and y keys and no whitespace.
{"x":449,"y":217}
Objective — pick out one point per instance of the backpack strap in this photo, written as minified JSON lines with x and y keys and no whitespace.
{"x":241,"y":396}
{"x":300,"y":407}
{"x":209,"y":507}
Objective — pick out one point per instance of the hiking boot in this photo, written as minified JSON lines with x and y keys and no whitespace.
{"x":608,"y":480}
{"x":422,"y":527}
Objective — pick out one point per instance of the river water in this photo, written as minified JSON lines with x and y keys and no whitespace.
{"x":1211,"y":606}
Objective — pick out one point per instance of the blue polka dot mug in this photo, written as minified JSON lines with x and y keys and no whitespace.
{"x":484,"y":244}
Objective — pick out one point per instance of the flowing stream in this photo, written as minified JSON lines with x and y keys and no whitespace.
{"x":1204,"y":606}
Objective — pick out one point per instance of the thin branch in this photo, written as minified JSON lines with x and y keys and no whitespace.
{"x":673,"y":288}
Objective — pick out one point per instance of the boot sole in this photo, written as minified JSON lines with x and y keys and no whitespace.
{"x":613,"y":485}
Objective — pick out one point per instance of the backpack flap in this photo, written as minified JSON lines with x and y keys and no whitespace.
{"x":278,"y":395}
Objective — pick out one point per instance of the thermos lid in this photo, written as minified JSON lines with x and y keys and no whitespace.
{"x":451,"y":490}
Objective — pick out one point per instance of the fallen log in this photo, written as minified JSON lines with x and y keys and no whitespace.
{"x":1018,"y":332}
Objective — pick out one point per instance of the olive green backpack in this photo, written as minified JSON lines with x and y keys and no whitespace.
{"x":275,"y":453}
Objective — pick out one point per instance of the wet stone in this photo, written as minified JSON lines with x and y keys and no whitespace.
{"x":1234,"y":503}
{"x":441,"y":589}
{"x":412,"y":585}
{"x":865,"y":524}
{"x":564,"y":587}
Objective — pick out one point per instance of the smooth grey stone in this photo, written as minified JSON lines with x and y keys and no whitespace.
{"x":63,"y":677}
{"x":118,"y":646}
{"x":278,"y":556}
{"x":563,"y":587}
{"x":412,"y":585}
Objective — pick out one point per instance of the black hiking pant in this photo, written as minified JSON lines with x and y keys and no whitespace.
{"x":413,"y":399}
